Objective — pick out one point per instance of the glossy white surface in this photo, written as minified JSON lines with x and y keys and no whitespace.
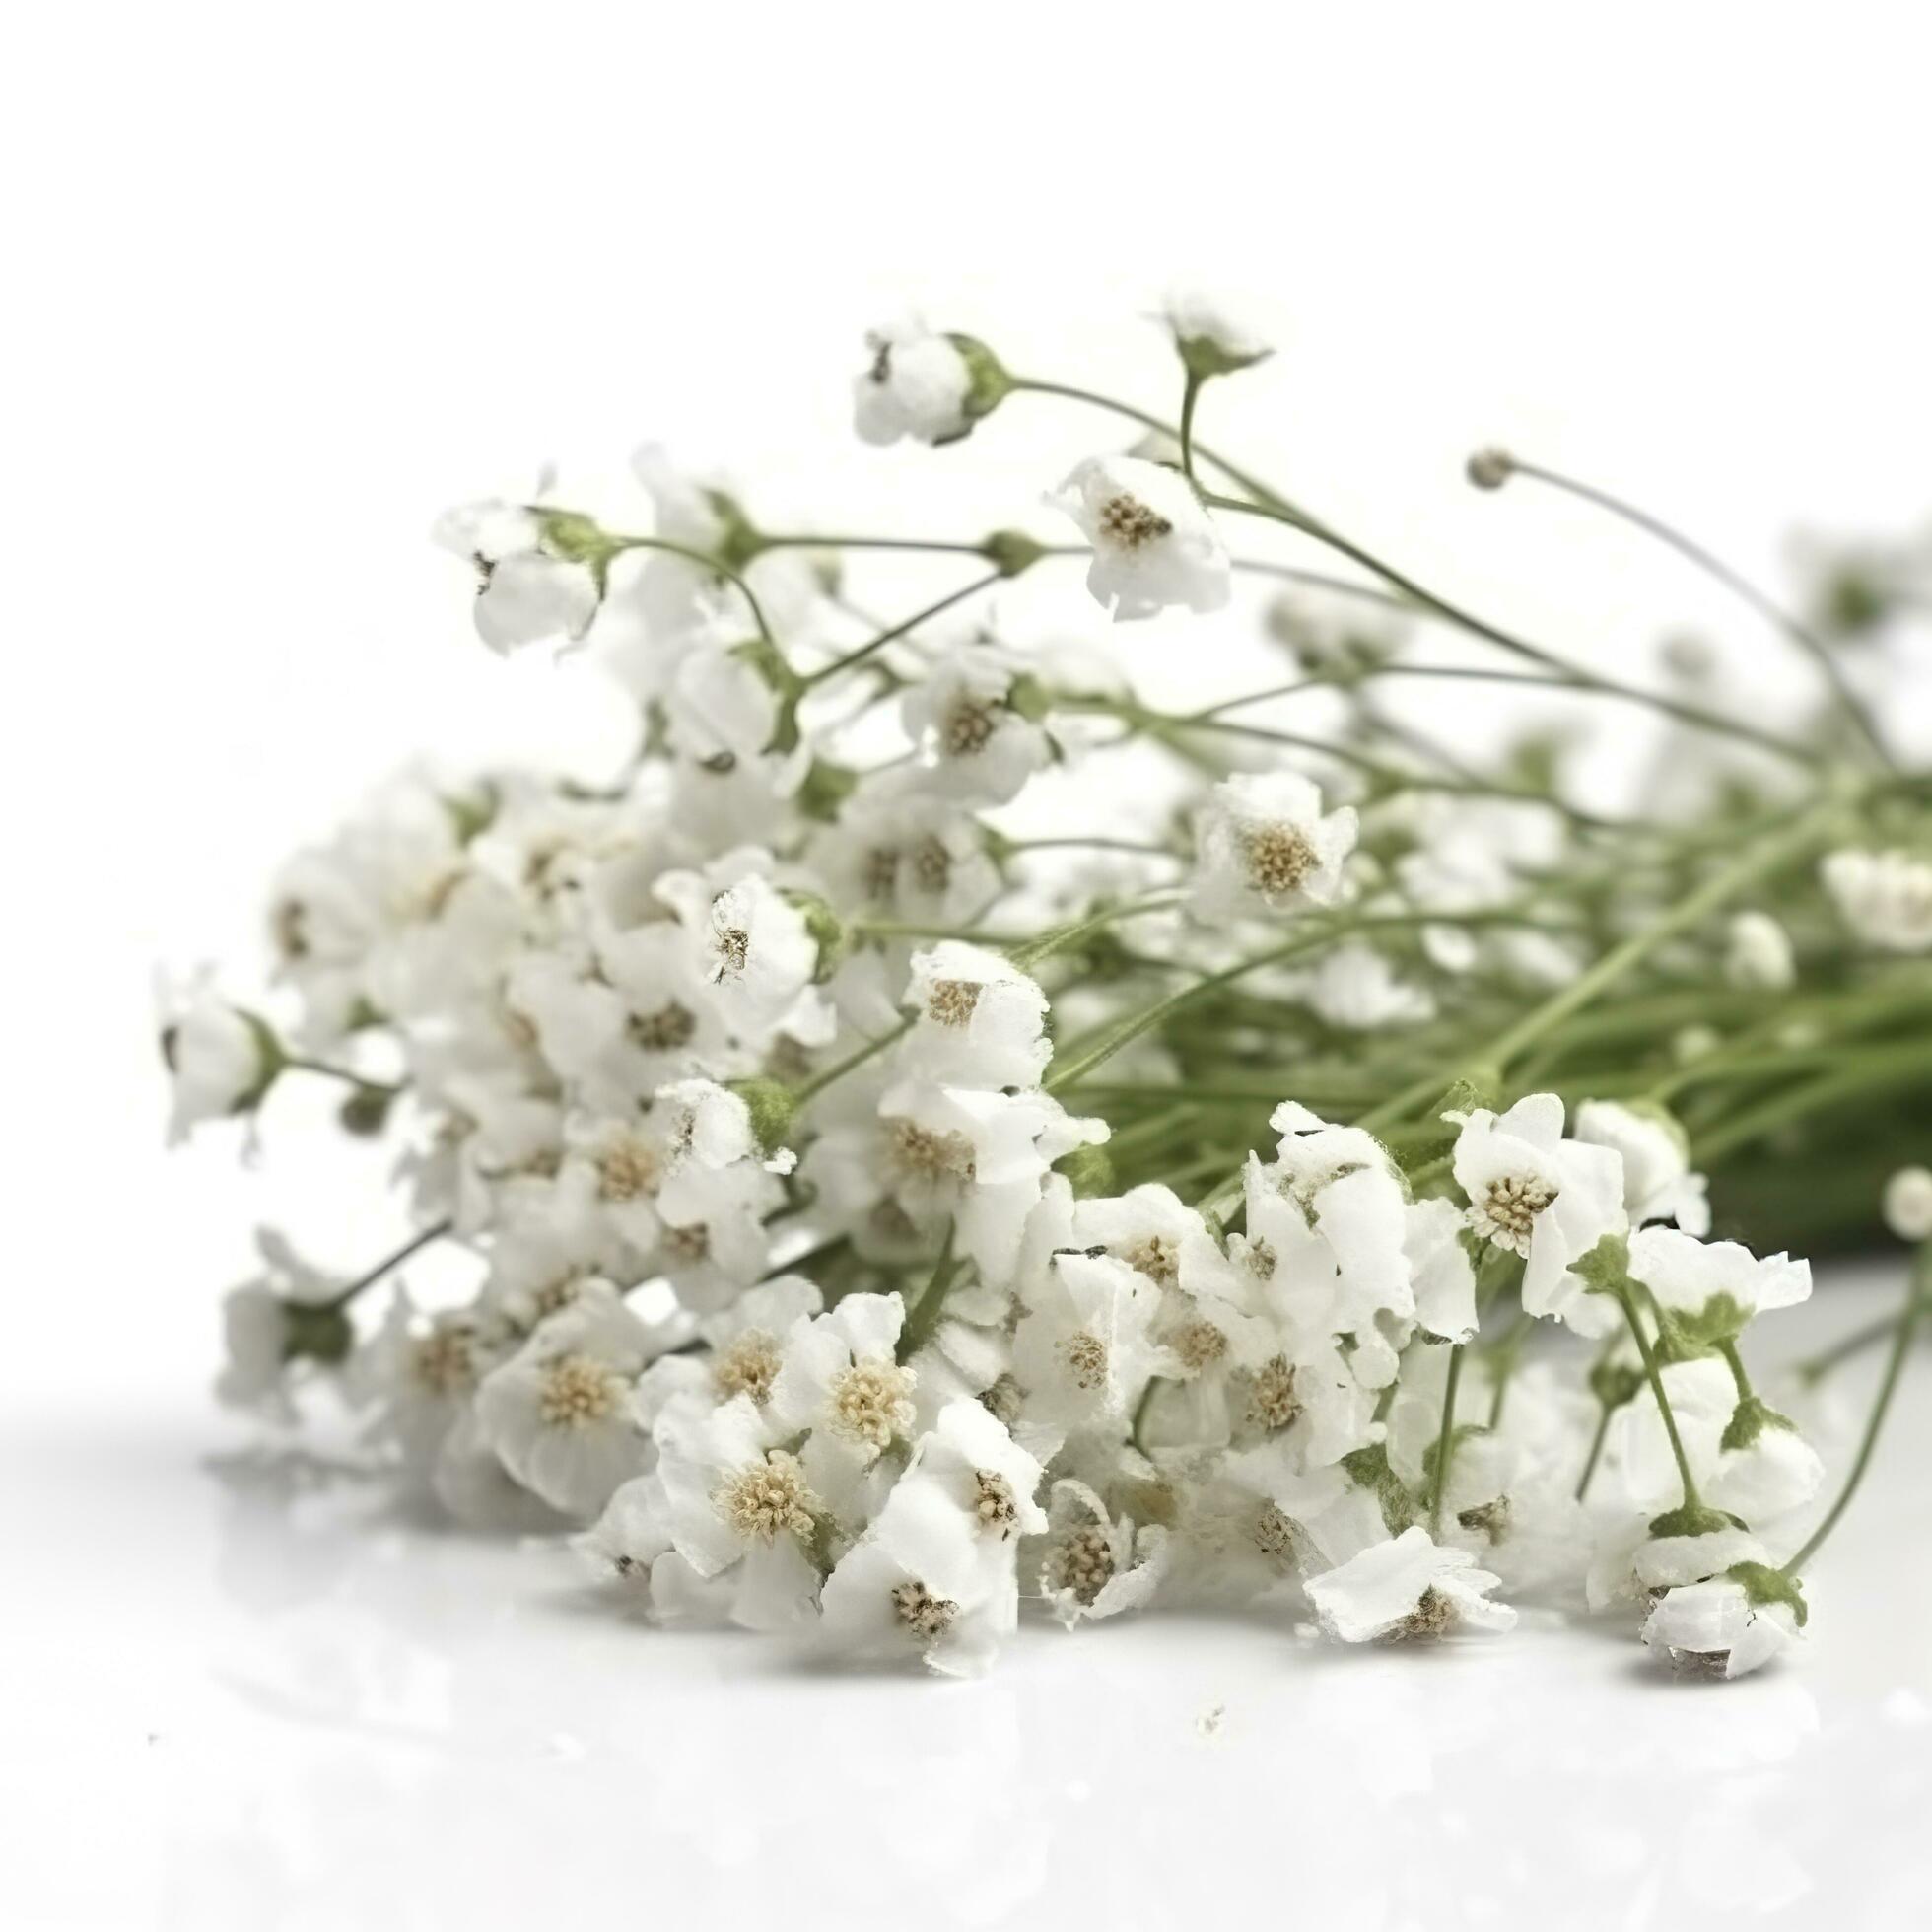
{"x":239,"y":1694}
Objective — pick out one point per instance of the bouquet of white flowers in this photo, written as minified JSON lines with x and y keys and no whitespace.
{"x":1288,"y":1174}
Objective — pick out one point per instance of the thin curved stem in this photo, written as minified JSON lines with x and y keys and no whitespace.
{"x":1915,"y":1298}
{"x":1628,"y":1302}
{"x":710,"y":563}
{"x":1535,"y":653}
{"x":853,"y":658}
{"x":1740,"y":586}
{"x":414,"y":1245}
{"x":1071,"y":392}
{"x":1445,"y":1438}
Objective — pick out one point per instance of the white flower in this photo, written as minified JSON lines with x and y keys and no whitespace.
{"x":1154,"y":544}
{"x":423,"y":1372}
{"x":1213,"y":337}
{"x":1658,"y":1184}
{"x":839,"y":1378}
{"x":1759,"y":955}
{"x":557,"y":1413}
{"x":979,"y":748}
{"x":936,"y":1574}
{"x":733,"y":1500}
{"x":1444,"y":1282}
{"x":979,"y":1021}
{"x":1744,"y":1457}
{"x":1409,"y":1586}
{"x":256,"y":1346}
{"x":1545,"y":1198}
{"x":220,"y":1058}
{"x":752,"y":945}
{"x":1097,"y":1564}
{"x":922,"y":1583}
{"x":917,"y":384}
{"x":1716,"y":1629}
{"x":1908,"y":1204}
{"x":1721,"y":1284}
{"x":898,"y":852}
{"x":1263,"y":843}
{"x":1885,"y":897}
{"x":529,"y":593}
{"x":1084,"y":1351}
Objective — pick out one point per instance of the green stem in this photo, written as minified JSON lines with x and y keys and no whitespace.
{"x":1915,"y":1298}
{"x":924,"y":1316}
{"x":819,"y":1081}
{"x":710,"y":563}
{"x":1549,"y":660}
{"x":1189,"y":397}
{"x":1445,"y":1438}
{"x":1758,"y":859}
{"x":1728,"y":1349}
{"x":1245,"y":479}
{"x":361,"y":1083}
{"x":1626,"y":1301}
{"x":1806,"y":640}
{"x":1596,"y":1449}
{"x":853,"y":658}
{"x":414,"y":1245}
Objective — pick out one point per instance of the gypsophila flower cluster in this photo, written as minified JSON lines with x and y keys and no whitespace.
{"x":1284,"y":1176}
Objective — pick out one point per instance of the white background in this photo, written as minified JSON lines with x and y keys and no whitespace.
{"x":282,"y":283}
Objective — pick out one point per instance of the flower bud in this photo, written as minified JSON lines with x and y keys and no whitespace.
{"x":773,"y":1107}
{"x":1490,"y":468}
{"x":827,"y":931}
{"x":1908,"y":1204}
{"x":1011,"y":551}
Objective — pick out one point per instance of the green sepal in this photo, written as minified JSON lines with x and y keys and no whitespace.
{"x":1369,"y":1469}
{"x":773,"y":1107}
{"x":1088,"y":1171}
{"x":1697,"y":1332}
{"x":1011,"y":552}
{"x":824,"y":789}
{"x":1695,"y":1519}
{"x":1615,"y":1383}
{"x":987,"y":382}
{"x":1606,"y":1268}
{"x":1762,"y":1584}
{"x":738,"y":539}
{"x":828,"y":932}
{"x":1749,"y":1420}
{"x":366,"y":1112}
{"x":315,"y":1332}
{"x":575,"y":538}
{"x":470,"y":817}
{"x":1205,"y":356}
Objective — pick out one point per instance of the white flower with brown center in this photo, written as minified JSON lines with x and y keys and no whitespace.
{"x":529,"y":591}
{"x":840,"y":1380}
{"x":557,"y":1413}
{"x":736,"y":1513}
{"x":751,"y":946}
{"x":1542,"y":1197}
{"x":1094,"y":1564}
{"x":1085,"y":1349}
{"x":1265,"y":845}
{"x":977,"y":747}
{"x":1409,"y":1586}
{"x":915,"y":383}
{"x":978,"y":1021}
{"x":1155,"y":546}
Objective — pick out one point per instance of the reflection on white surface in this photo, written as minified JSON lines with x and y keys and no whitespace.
{"x":245,"y":1693}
